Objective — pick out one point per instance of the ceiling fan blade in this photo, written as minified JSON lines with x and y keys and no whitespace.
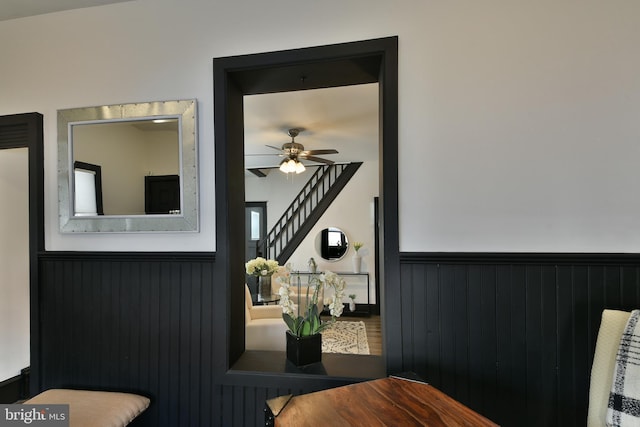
{"x":317,"y":159}
{"x":261,"y":172}
{"x":325,"y":151}
{"x":258,"y":172}
{"x":275,"y":148}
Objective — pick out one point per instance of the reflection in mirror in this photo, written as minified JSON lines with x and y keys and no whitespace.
{"x":127,"y":153}
{"x":128,"y":167}
{"x":332,"y":244}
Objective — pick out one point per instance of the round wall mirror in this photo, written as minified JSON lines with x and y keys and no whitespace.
{"x":332,"y":244}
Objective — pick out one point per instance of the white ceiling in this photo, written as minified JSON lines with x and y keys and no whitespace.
{"x":12,"y":9}
{"x":343,"y":118}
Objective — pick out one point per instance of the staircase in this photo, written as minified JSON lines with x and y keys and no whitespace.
{"x":305,"y":210}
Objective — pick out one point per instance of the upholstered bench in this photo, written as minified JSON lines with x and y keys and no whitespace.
{"x":95,"y":408}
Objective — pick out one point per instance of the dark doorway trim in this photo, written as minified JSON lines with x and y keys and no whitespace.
{"x":161,"y":194}
{"x":263,"y":225}
{"x":259,"y":251}
{"x":17,"y":131}
{"x":97,"y":170}
{"x":299,"y":69}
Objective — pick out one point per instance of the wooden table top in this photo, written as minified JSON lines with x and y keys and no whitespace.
{"x":389,"y":401}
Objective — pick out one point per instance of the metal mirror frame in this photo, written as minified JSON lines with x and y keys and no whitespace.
{"x":187,"y":220}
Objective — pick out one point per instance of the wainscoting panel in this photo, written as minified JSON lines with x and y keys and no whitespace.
{"x":143,"y":323}
{"x":136,"y":323}
{"x":512,"y":336}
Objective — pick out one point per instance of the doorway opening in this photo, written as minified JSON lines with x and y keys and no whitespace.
{"x":255,"y":232}
{"x":20,"y":131}
{"x":325,"y":66}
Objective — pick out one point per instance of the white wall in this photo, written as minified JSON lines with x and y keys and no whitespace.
{"x":14,"y":262}
{"x":518,"y":120}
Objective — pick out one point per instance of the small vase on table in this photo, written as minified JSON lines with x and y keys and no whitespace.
{"x":313,"y":267}
{"x":357,"y":263}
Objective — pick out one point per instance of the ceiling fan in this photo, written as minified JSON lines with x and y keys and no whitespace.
{"x":293,"y":152}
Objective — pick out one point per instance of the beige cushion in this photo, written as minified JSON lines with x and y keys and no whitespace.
{"x":95,"y":408}
{"x":604,"y":360}
{"x":265,"y":328}
{"x":253,"y":312}
{"x":266,"y":334}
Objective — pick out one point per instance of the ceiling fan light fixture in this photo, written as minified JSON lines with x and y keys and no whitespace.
{"x":291,"y":166}
{"x":284,"y":166}
{"x":288,"y":166}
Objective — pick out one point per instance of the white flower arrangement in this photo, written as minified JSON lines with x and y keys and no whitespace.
{"x":261,"y":267}
{"x":309,"y":323}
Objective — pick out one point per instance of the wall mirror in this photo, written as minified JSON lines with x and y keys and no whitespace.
{"x":128,"y":168}
{"x":331,"y":244}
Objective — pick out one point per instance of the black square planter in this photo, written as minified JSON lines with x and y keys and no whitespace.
{"x":304,"y":350}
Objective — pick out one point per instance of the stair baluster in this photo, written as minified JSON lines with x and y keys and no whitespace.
{"x":306,"y":209}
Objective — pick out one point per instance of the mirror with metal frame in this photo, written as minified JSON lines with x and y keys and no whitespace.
{"x":332,"y":244}
{"x":128,"y":168}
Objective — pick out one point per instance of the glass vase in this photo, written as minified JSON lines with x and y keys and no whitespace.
{"x":264,"y":286}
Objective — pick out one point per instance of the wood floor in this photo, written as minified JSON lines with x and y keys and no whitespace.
{"x":374,"y":334}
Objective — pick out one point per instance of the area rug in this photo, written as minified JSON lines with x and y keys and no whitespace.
{"x":345,"y":337}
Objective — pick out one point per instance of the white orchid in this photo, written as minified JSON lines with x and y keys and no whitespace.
{"x":287,"y":304}
{"x":338,"y":284}
{"x":309,"y":323}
